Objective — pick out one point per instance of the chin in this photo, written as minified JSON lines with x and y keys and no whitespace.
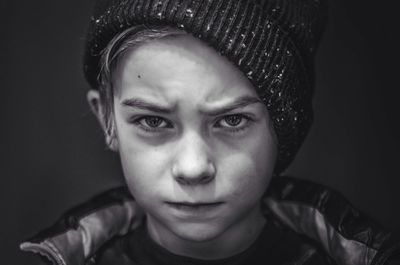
{"x":198,"y":232}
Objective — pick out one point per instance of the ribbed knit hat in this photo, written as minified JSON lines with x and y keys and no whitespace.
{"x":272,"y":42}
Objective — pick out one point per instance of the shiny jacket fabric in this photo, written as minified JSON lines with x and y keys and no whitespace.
{"x":84,"y":235}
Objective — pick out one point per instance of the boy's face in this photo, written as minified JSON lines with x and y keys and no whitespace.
{"x":196,"y":144}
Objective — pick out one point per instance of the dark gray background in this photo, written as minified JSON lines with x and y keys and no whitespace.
{"x":52,"y":152}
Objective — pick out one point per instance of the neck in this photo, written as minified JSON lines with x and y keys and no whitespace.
{"x":234,"y":239}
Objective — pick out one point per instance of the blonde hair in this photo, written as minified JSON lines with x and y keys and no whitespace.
{"x":115,"y":50}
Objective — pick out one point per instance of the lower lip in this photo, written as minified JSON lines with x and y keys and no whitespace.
{"x":196,"y":209}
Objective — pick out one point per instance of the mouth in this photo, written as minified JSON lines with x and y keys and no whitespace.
{"x":194,"y":206}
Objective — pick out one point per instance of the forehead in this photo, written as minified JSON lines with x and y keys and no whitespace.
{"x":176,"y":67}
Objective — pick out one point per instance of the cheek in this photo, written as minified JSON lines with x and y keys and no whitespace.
{"x":249,"y":163}
{"x":143,"y":165}
{"x":243,"y":178}
{"x":263,"y":150}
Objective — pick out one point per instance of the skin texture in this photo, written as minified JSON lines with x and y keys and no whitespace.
{"x":190,"y":128}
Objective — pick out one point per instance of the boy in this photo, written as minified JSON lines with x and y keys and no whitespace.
{"x":207,"y":102}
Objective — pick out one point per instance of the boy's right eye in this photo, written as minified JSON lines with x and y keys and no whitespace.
{"x":152,"y":123}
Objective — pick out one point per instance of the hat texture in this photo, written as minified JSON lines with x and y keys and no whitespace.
{"x":272,"y":42}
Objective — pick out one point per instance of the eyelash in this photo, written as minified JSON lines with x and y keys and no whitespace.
{"x":234,"y":129}
{"x":151,"y":129}
{"x":230,"y":129}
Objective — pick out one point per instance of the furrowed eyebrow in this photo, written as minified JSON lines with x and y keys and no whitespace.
{"x":237,"y":103}
{"x":144,"y":105}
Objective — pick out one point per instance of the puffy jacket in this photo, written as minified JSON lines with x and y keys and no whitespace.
{"x":347,"y":236}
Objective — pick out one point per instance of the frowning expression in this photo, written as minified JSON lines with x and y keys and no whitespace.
{"x":196,"y":144}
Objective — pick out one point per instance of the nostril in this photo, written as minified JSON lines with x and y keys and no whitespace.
{"x":200,"y":180}
{"x":206,"y":179}
{"x":194,"y":176}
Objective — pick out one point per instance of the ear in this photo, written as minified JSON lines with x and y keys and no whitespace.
{"x":96,"y":106}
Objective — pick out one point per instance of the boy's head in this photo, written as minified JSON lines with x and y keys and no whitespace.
{"x":192,"y":126}
{"x":272,"y":42}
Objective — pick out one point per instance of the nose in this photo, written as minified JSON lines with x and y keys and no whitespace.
{"x":193,"y":163}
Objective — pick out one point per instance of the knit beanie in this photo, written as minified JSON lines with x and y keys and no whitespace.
{"x":272,"y":42}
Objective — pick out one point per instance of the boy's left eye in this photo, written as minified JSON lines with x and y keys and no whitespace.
{"x":233,"y":121}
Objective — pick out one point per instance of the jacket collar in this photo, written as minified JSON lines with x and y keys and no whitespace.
{"x":347,"y":236}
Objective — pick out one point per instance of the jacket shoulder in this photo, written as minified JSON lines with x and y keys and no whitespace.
{"x":346,"y":234}
{"x":312,"y":256}
{"x":299,"y":249}
{"x":78,"y":235}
